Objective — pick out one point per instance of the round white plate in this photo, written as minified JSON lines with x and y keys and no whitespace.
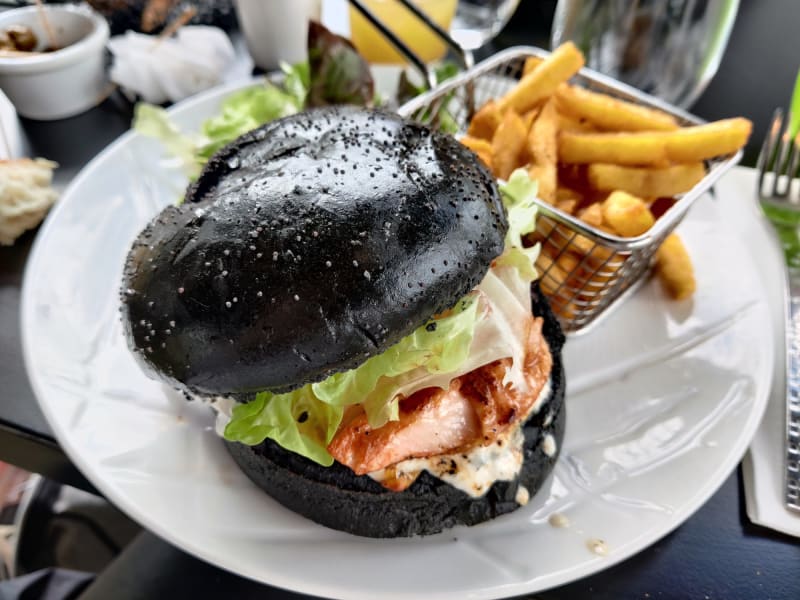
{"x":663,"y":399}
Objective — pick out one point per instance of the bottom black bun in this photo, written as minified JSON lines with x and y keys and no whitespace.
{"x":335,"y":497}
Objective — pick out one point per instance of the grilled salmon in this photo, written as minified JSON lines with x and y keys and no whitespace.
{"x":475,"y":409}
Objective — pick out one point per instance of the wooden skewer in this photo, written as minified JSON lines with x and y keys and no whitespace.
{"x":170,"y":29}
{"x":48,"y":29}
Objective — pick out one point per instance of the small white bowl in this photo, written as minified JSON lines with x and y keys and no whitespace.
{"x":60,"y":84}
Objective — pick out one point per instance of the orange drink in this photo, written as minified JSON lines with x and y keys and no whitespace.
{"x":425,"y":43}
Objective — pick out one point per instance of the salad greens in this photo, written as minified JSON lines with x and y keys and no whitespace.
{"x":305,"y":420}
{"x":334,"y":74}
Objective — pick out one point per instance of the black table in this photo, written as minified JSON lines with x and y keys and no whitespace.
{"x":717,"y":553}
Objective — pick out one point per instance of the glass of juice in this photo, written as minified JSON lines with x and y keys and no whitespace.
{"x":424,"y":42}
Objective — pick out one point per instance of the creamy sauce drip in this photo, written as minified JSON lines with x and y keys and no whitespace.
{"x":473,"y":472}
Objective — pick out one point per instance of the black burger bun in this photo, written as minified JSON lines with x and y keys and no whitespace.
{"x":307,"y":246}
{"x":337,"y":498}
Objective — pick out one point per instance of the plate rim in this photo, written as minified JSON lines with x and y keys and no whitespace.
{"x":531,"y":585}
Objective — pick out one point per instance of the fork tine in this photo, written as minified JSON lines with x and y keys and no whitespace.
{"x":783,"y":178}
{"x":794,"y":165}
{"x":766,"y":155}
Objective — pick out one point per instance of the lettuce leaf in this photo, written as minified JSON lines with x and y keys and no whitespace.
{"x":239,"y":113}
{"x":441,"y":345}
{"x":298,"y":421}
{"x":518,"y":196}
{"x":305,"y":420}
{"x":153,"y":121}
{"x":246,"y":110}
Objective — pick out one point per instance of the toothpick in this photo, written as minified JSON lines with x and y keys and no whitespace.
{"x":48,"y":29}
{"x":170,"y":29}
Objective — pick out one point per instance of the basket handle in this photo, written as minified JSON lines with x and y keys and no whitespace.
{"x":428,"y":75}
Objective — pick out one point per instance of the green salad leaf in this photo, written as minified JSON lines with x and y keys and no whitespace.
{"x":153,"y":121}
{"x":518,"y":196}
{"x":298,"y":421}
{"x":338,"y":73}
{"x":305,"y":420}
{"x":246,"y":110}
{"x":239,"y":113}
{"x":443,"y":119}
{"x":441,"y":345}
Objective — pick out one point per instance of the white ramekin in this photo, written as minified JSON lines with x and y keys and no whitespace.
{"x":64,"y":83}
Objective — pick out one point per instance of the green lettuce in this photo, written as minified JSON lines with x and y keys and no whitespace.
{"x":248,"y":109}
{"x":441,"y":345}
{"x":305,"y":420}
{"x":239,"y":113}
{"x":518,"y":195}
{"x":153,"y":121}
{"x":298,"y":421}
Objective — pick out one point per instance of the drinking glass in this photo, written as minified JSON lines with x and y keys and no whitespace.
{"x":425,"y":43}
{"x":668,"y":48}
{"x":477,"y":22}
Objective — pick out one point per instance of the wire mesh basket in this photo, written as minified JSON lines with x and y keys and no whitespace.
{"x":584,"y":271}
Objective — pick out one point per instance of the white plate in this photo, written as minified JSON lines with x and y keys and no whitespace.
{"x":663,"y":399}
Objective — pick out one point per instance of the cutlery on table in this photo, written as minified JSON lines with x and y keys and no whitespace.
{"x":779,"y":195}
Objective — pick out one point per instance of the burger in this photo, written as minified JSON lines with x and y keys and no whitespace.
{"x":350,"y":291}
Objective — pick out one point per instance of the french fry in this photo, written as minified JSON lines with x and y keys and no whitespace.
{"x":611,"y":113}
{"x":564,"y":193}
{"x":552,"y":276}
{"x":617,"y":148}
{"x":567,"y":205}
{"x":707,"y":141}
{"x":592,"y":215}
{"x":542,"y":81}
{"x":480,"y":147}
{"x":674,"y":268}
{"x":627,"y":215}
{"x":530,"y":64}
{"x":485,"y":121}
{"x":541,"y":144}
{"x":507,"y":144}
{"x":574,"y":124}
{"x":644,"y":181}
{"x":528,"y":120}
{"x":546,"y":179}
{"x":689,"y":144}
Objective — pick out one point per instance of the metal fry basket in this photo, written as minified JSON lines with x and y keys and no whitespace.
{"x":584,"y":271}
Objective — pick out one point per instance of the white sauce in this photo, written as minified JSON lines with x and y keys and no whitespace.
{"x":558,"y":520}
{"x":222,"y":405}
{"x":549,"y":446}
{"x":477,"y":470}
{"x":597,"y":546}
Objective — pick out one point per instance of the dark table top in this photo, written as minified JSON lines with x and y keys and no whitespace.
{"x":717,"y":553}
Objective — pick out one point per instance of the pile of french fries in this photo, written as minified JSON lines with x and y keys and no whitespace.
{"x":615,"y":165}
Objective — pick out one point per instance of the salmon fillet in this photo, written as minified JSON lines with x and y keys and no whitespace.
{"x":475,"y":409}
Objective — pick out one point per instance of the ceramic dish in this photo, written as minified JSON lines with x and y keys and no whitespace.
{"x":662,"y":399}
{"x":61,"y":83}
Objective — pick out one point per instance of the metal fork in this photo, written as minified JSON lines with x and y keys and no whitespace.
{"x":779,"y":192}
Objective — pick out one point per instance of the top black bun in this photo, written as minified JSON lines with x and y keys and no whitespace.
{"x":307,"y":246}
